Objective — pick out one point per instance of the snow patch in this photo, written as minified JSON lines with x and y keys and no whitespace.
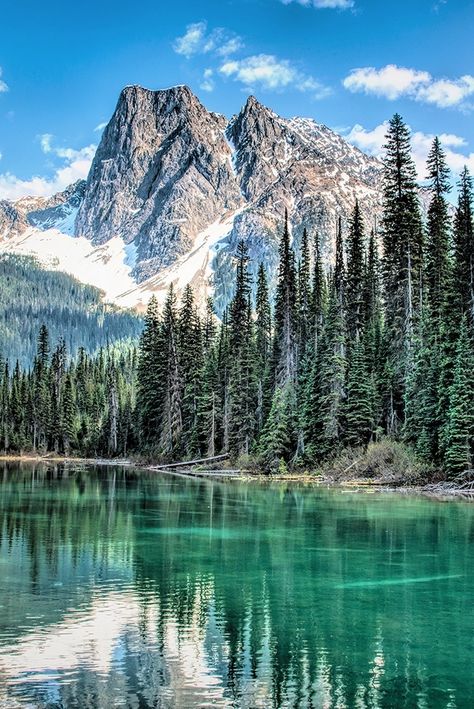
{"x":107,"y":267}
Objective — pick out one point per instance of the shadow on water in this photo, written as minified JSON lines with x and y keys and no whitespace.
{"x":121,"y":588}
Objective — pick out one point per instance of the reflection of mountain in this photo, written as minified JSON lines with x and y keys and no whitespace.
{"x":162,"y":591}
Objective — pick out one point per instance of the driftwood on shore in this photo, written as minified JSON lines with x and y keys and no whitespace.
{"x":190,"y":463}
{"x":462,"y":485}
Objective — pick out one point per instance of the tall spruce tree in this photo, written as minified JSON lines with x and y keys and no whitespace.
{"x":242,"y":393}
{"x":402,"y":265}
{"x":172,"y":424}
{"x":150,"y":378}
{"x":263,"y":343}
{"x":460,"y":421}
{"x":355,"y":276}
{"x":438,"y":231}
{"x":464,"y":244}
{"x":285,"y":338}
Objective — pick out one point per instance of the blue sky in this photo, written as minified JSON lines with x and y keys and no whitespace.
{"x":347,"y":63}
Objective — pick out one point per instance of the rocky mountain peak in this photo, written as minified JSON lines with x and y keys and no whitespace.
{"x":162,"y":173}
{"x":178,"y":186}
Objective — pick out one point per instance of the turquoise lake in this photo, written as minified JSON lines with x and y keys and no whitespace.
{"x":123,"y":588}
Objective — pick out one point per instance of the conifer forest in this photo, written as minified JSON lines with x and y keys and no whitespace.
{"x":380,"y":346}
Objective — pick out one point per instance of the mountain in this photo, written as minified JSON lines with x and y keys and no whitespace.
{"x":173,"y":187}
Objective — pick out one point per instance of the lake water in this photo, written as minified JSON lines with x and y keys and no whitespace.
{"x":121,"y":588}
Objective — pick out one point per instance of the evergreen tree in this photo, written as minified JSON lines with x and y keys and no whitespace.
{"x":464,"y":245}
{"x":402,"y":265}
{"x":318,"y":300}
{"x":285,"y":314}
{"x":242,"y":388}
{"x":263,"y":327}
{"x":304,"y":298}
{"x":68,"y":416}
{"x":190,"y":359}
{"x":459,"y":426}
{"x":150,"y":380}
{"x":355,"y":276}
{"x":358,"y":409}
{"x":437,"y":246}
{"x":172,"y":426}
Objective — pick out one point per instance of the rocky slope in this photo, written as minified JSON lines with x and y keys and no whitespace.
{"x":161,"y":175}
{"x":179,"y":185}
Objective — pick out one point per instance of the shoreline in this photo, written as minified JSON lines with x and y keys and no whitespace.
{"x":365,"y":485}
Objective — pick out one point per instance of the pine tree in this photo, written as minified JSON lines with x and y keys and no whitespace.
{"x":464,"y":244}
{"x":358,"y":407}
{"x":459,"y":426}
{"x":150,"y":384}
{"x":318,"y":302}
{"x":190,"y":363}
{"x":304,"y":298}
{"x":5,"y":409}
{"x":278,"y":436}
{"x":263,"y":327}
{"x":285,"y":314}
{"x":42,"y":391}
{"x":355,"y":276}
{"x":172,"y":427}
{"x":242,"y":388}
{"x":437,"y":246}
{"x":68,"y":416}
{"x":329,"y":379}
{"x":402,"y":265}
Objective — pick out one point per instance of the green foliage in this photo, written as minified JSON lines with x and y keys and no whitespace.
{"x":31,"y":296}
{"x":80,"y":407}
{"x":346,"y":359}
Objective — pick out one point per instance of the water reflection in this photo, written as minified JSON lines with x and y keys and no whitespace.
{"x":120,"y":589}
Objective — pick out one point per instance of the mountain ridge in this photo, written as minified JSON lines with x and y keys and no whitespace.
{"x":180,"y":186}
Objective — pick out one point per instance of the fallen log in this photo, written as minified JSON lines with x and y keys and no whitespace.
{"x":186,"y":463}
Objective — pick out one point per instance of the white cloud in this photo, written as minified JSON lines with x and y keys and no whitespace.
{"x":269,"y":72}
{"x":3,"y":85}
{"x":207,"y":83}
{"x":320,"y":4}
{"x":191,"y":42}
{"x":76,"y":165}
{"x":393,"y":81}
{"x":100,"y":127}
{"x":445,"y":93}
{"x":197,"y":40}
{"x":372,"y":142}
{"x":230,"y":47}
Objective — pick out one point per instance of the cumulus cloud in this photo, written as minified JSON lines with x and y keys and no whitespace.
{"x":372,"y":142}
{"x":320,"y":4}
{"x":207,"y":83}
{"x":198,"y":40}
{"x":269,"y":72}
{"x":3,"y":85}
{"x":100,"y":127}
{"x":393,"y":81}
{"x":75,"y":166}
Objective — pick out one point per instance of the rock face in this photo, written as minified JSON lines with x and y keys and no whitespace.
{"x":161,"y":175}
{"x":298,"y":165}
{"x":12,"y":221}
{"x":181,"y":186}
{"x":56,"y":212}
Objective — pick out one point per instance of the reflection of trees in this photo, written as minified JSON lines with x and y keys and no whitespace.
{"x":276,"y":585}
{"x":59,"y":524}
{"x":246,"y":583}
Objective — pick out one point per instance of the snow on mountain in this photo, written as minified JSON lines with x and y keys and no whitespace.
{"x":173,"y":187}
